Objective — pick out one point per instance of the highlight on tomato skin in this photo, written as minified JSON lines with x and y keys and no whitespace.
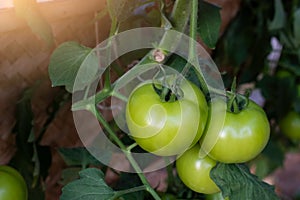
{"x":166,"y":128}
{"x":12,"y":184}
{"x":243,"y":136}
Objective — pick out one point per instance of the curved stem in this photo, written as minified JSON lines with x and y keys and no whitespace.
{"x":131,"y":190}
{"x":127,"y":152}
{"x":141,"y":175}
{"x":180,"y":17}
{"x":113,"y":29}
{"x":119,"y":96}
{"x":130,"y":147}
{"x":193,"y":37}
{"x":193,"y":57}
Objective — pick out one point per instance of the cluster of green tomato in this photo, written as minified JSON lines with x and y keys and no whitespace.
{"x":290,"y":123}
{"x":12,"y":184}
{"x":167,"y":128}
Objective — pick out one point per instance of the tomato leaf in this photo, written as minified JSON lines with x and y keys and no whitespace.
{"x":90,"y":186}
{"x":31,"y":159}
{"x":209,"y":22}
{"x":236,"y":182}
{"x":78,"y":156}
{"x":65,"y":63}
{"x":69,"y":174}
{"x":279,"y":19}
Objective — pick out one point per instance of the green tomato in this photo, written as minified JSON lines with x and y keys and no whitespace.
{"x":290,"y":125}
{"x":12,"y":184}
{"x":216,"y":196}
{"x":242,"y":137}
{"x":166,"y":128}
{"x":282,"y":73}
{"x":195,"y":171}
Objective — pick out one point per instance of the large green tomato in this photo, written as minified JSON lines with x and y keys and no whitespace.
{"x":242,"y":137}
{"x":290,"y":125}
{"x":195,"y":171}
{"x":166,"y":128}
{"x":216,"y":196}
{"x":12,"y":184}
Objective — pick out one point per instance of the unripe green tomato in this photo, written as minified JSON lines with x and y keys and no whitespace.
{"x":12,"y":184}
{"x":243,"y":136}
{"x":216,"y":196}
{"x":166,"y":128}
{"x":283,"y":74}
{"x":195,"y":171}
{"x":290,"y":125}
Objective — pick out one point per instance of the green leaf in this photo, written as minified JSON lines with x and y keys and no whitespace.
{"x":296,"y":25}
{"x":29,"y":11}
{"x":236,"y":182}
{"x":209,"y":22}
{"x":90,"y":186}
{"x":180,"y":14}
{"x":31,"y":159}
{"x":178,"y":63}
{"x":65,"y":63}
{"x":279,"y":19}
{"x":78,"y":157}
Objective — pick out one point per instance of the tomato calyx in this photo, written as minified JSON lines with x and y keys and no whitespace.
{"x":236,"y":102}
{"x":166,"y":94}
{"x":168,"y":91}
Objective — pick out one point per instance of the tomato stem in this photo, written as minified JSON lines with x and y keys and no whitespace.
{"x":130,"y":147}
{"x":180,"y":17}
{"x":236,"y":102}
{"x":193,"y":57}
{"x":130,"y":190}
{"x":93,"y":109}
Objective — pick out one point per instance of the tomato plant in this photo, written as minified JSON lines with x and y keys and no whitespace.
{"x":195,"y":171}
{"x":290,"y":125}
{"x":166,"y":128}
{"x":12,"y":184}
{"x":172,"y":124}
{"x":243,"y":135}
